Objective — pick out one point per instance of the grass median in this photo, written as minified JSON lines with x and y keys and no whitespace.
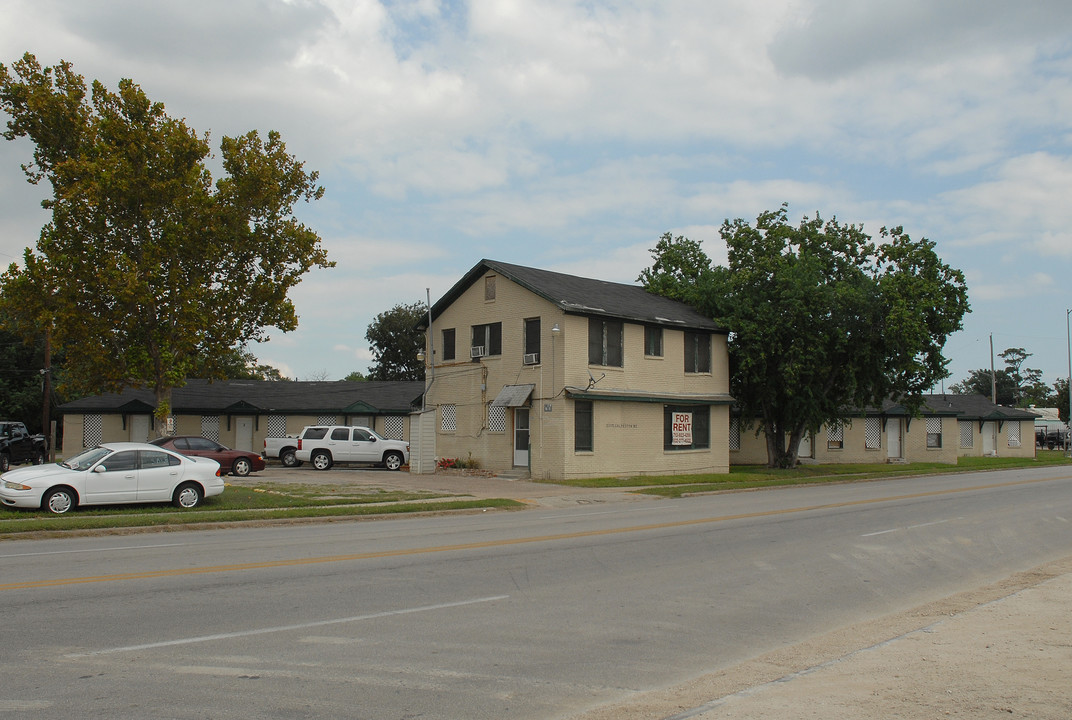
{"x":745,"y":477}
{"x":245,"y":504}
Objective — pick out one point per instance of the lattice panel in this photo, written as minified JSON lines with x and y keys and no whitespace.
{"x":394,"y":427}
{"x":449,"y":417}
{"x":934,"y":425}
{"x":92,"y":430}
{"x":872,"y":433}
{"x":497,"y":419}
{"x":735,"y":433}
{"x":277,"y":426}
{"x":210,"y":427}
{"x":326,"y":419}
{"x":835,"y":434}
{"x":967,"y":433}
{"x":1014,"y":433}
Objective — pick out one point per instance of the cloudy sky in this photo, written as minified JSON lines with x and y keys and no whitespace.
{"x":570,"y":135}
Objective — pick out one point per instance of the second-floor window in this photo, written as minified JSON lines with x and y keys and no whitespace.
{"x":487,"y":340}
{"x":448,"y":344}
{"x":532,"y":341}
{"x":605,"y":342}
{"x":653,"y":341}
{"x":697,"y":352}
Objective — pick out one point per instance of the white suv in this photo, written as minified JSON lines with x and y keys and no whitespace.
{"x":325,"y":445}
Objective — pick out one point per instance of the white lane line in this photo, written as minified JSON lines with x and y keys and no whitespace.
{"x":909,"y":527}
{"x":92,"y":550}
{"x":286,"y":628}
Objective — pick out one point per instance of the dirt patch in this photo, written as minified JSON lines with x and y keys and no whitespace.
{"x":1003,"y":650}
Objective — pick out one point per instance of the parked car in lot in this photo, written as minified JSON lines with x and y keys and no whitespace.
{"x":17,"y":446}
{"x":110,"y":474}
{"x":235,"y":462}
{"x":325,"y":445}
{"x":282,"y":449}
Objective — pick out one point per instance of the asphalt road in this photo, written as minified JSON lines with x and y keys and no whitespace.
{"x":538,"y":614}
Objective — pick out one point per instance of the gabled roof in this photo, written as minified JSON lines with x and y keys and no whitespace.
{"x":585,"y":296}
{"x":241,"y":397}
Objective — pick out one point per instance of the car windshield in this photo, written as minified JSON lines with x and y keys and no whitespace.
{"x":84,"y":460}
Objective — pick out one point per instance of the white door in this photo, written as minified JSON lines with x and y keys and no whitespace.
{"x":139,"y":428}
{"x":893,"y":439}
{"x":990,"y":442}
{"x":521,"y":437}
{"x":805,"y":449}
{"x":243,"y":433}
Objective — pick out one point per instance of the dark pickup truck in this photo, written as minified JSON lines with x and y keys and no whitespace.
{"x":17,"y":445}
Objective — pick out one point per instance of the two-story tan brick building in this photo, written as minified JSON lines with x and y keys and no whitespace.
{"x":565,"y":377}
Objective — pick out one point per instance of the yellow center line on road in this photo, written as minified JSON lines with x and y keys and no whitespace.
{"x":297,"y":562}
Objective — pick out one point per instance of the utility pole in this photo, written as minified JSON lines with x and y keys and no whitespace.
{"x":993,"y":377}
{"x":46,"y":403}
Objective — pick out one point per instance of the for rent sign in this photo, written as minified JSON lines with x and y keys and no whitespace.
{"x":682,"y":428}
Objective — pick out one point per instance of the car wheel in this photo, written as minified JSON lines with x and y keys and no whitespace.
{"x":39,"y":457}
{"x":289,"y":459}
{"x":321,"y":460}
{"x":393,"y":460}
{"x":242,"y":467}
{"x":5,"y":462}
{"x":59,"y":500}
{"x":187,"y":496}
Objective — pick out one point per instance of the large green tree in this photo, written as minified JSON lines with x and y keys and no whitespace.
{"x":396,"y":340}
{"x":148,"y":269}
{"x":822,"y":319}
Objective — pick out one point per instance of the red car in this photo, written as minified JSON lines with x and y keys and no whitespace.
{"x":235,"y":462}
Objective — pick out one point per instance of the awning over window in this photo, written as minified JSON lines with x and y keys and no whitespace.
{"x":513,"y":396}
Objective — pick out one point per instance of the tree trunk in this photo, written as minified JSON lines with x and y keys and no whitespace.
{"x":163,"y":411}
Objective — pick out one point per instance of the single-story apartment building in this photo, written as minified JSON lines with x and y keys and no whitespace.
{"x":948,"y":427}
{"x":241,"y":413}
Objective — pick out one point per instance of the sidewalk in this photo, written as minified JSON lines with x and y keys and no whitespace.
{"x":1002,"y":651}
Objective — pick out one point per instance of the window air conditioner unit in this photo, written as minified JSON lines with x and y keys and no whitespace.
{"x":477,"y":351}
{"x":531,"y":359}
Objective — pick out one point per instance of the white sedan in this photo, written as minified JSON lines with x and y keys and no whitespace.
{"x":113,"y":473}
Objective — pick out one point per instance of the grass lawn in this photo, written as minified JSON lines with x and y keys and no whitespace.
{"x":244,"y":504}
{"x":742,"y":477}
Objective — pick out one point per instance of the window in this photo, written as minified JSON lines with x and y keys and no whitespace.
{"x":340,"y":434}
{"x":487,"y":340}
{"x":934,"y":432}
{"x":835,"y":436}
{"x":532,"y":341}
{"x":605,"y":342}
{"x":872,"y":433}
{"x":489,"y":288}
{"x":697,"y":352}
{"x":653,"y":341}
{"x":686,"y":427}
{"x":1014,"y":434}
{"x":155,"y":459}
{"x":583,"y":425}
{"x":362,"y":435}
{"x":967,"y":433}
{"x":448,"y":344}
{"x":448,"y":418}
{"x":122,"y":461}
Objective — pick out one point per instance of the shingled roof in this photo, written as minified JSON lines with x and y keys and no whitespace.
{"x":263,"y":397}
{"x":585,"y":296}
